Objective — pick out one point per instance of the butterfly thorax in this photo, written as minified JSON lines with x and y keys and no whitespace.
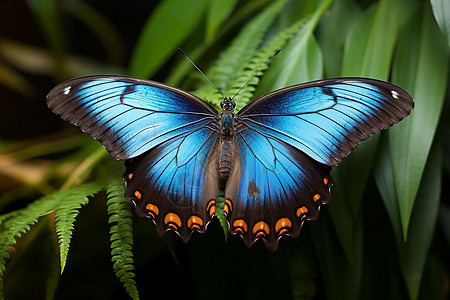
{"x":226,"y":137}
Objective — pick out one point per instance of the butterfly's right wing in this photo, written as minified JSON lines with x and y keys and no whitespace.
{"x":167,"y":136}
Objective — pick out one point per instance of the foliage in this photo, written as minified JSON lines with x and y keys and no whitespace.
{"x":383,"y":234}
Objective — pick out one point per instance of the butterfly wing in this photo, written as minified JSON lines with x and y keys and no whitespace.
{"x":167,"y":136}
{"x":326,"y":119}
{"x":129,"y":116}
{"x":273,"y":188}
{"x":287,"y":140}
{"x":177,"y":182}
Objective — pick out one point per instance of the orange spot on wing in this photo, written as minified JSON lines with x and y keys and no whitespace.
{"x":316,"y":197}
{"x":282,"y":225}
{"x":302,"y":211}
{"x":325,"y":180}
{"x":153,"y":210}
{"x":138,"y":194}
{"x":240,"y":226}
{"x":227,"y":207}
{"x":130,"y":176}
{"x":195,"y":222}
{"x":240,"y":125}
{"x":211,"y":207}
{"x":173,"y":220}
{"x":261,"y":228}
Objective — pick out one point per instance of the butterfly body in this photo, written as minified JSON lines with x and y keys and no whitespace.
{"x":274,"y":156}
{"x":227,"y":139}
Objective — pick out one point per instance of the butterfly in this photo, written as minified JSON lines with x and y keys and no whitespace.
{"x":273,"y":157}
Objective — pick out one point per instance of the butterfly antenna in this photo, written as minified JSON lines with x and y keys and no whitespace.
{"x":278,"y":51}
{"x":198,"y":69}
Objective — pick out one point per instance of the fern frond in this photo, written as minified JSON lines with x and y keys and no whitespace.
{"x":14,"y":225}
{"x":233,"y":60}
{"x":70,"y":202}
{"x":258,"y":60}
{"x":120,"y":218}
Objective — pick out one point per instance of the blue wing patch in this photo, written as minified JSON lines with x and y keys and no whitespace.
{"x":275,"y":189}
{"x":326,"y":119}
{"x":129,"y":116}
{"x":172,"y":184}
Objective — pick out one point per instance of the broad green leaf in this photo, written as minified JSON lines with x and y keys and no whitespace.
{"x":332,"y":31}
{"x":217,"y":13}
{"x":421,"y":68}
{"x":385,"y":182}
{"x":441,"y":11}
{"x":370,"y":44}
{"x":413,"y":253}
{"x":368,"y":52}
{"x":342,"y":277}
{"x":170,"y":24}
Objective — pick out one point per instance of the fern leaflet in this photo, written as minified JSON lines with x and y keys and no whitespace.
{"x":121,"y":231}
{"x":15,"y":224}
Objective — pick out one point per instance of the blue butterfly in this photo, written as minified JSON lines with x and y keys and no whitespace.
{"x":274,"y":156}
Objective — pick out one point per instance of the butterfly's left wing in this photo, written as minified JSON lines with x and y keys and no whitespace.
{"x":272,"y":188}
{"x":288,"y":138}
{"x":327,"y":118}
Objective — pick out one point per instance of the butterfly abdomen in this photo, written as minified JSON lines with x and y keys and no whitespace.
{"x":226,"y":151}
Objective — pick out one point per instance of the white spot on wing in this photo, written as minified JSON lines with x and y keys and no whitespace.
{"x":395,"y":94}
{"x":67,"y":90}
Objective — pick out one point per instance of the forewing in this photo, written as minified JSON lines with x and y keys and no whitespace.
{"x":273,"y":188}
{"x":129,"y":116}
{"x":326,"y":119}
{"x":175,"y":182}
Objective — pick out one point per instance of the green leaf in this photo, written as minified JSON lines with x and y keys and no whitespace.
{"x":368,"y":52}
{"x":217,"y":12}
{"x":170,"y":24}
{"x":301,"y":60}
{"x":342,"y":277}
{"x":121,"y":231}
{"x":421,"y":68}
{"x":333,"y":30}
{"x":19,"y":222}
{"x":413,"y":254}
{"x":385,"y":181}
{"x":260,"y":58}
{"x":70,"y":202}
{"x":441,"y":11}
{"x":233,"y":60}
{"x":370,"y":44}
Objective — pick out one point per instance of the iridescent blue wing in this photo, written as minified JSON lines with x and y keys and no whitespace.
{"x":129,"y":116}
{"x":167,"y":135}
{"x":287,"y":140}
{"x":273,"y":188}
{"x":176,"y":184}
{"x":326,"y":119}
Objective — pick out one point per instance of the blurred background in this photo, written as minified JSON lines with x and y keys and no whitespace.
{"x":386,"y":232}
